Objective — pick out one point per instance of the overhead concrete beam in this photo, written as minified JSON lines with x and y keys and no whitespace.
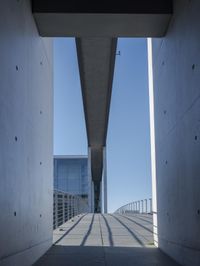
{"x":96,"y":58}
{"x":141,"y":18}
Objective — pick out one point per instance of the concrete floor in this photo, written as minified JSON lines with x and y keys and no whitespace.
{"x":105,"y":240}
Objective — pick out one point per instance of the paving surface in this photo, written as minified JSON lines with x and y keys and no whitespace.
{"x":105,"y":240}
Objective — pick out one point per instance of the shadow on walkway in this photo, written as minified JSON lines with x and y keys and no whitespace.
{"x":69,"y":230}
{"x":129,"y":230}
{"x":88,"y":232}
{"x":109,"y":231}
{"x":147,"y":220}
{"x":103,"y":240}
{"x":101,"y":256}
{"x":137,"y":223}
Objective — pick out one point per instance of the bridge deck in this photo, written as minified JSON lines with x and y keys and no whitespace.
{"x":109,"y":239}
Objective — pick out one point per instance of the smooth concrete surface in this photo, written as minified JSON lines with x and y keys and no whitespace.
{"x":26,"y":174}
{"x":142,"y":18}
{"x":105,"y":239}
{"x":102,"y":25}
{"x":96,"y":59}
{"x":176,"y":67}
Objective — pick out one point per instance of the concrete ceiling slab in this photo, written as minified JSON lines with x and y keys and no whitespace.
{"x":102,"y":25}
{"x":144,"y":18}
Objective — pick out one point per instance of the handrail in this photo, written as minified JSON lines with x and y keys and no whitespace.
{"x":139,"y":206}
{"x":66,"y":206}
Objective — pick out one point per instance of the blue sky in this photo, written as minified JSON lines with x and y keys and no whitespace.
{"x":128,"y":140}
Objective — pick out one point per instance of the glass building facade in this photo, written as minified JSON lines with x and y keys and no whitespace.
{"x":71,"y":174}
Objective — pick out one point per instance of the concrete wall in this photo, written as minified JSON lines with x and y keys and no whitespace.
{"x":26,"y":152}
{"x":176,"y":66}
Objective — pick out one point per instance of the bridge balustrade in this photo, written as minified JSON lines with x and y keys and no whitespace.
{"x":66,"y":206}
{"x":139,"y":206}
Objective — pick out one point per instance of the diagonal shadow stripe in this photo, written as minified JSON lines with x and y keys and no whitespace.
{"x":109,"y":231}
{"x":70,"y":229}
{"x":129,"y":230}
{"x":146,"y":216}
{"x":144,"y":227}
{"x":136,"y":217}
{"x":88,"y":232}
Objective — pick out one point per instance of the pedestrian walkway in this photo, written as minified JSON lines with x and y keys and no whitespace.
{"x":105,"y":240}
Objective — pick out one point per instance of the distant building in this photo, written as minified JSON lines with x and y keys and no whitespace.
{"x":71,"y":174}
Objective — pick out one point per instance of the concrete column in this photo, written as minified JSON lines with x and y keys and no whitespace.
{"x":105,"y":180}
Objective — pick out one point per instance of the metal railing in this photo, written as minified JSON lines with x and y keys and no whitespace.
{"x":140,"y":206}
{"x":66,"y":206}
